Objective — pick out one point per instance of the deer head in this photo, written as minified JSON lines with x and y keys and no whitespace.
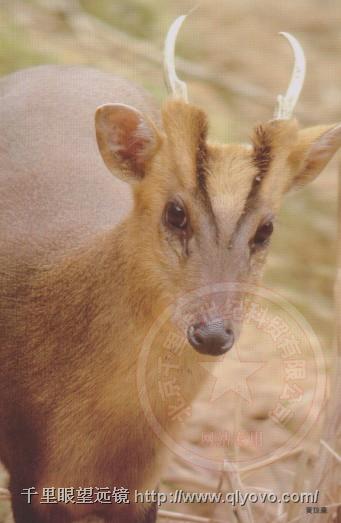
{"x":204,"y":213}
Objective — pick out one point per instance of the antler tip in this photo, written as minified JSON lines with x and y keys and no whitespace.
{"x":176,"y":86}
{"x":286,"y":104}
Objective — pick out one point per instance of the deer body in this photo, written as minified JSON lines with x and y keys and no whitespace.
{"x":87,"y":264}
{"x":64,"y":346}
{"x":47,"y":132}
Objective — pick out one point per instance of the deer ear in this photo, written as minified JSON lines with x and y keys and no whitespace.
{"x":126,"y":139}
{"x":313,"y":150}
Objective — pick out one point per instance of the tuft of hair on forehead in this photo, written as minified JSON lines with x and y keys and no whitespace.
{"x":262,"y":149}
{"x":186,"y":128}
{"x":185,"y":119}
{"x":261,"y":159}
{"x":272,"y":142}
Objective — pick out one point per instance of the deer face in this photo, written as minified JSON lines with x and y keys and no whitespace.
{"x":204,"y":213}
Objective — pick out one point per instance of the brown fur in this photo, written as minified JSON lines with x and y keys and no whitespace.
{"x":86,"y":268}
{"x":262,"y":144}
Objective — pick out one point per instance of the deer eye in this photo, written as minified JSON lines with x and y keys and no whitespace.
{"x":175,"y":215}
{"x":262,"y":235}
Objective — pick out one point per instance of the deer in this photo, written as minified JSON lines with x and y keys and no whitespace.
{"x":111,"y":210}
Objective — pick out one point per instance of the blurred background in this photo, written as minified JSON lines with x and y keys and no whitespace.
{"x":235,"y":65}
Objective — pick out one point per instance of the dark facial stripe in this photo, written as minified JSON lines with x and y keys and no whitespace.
{"x":201,"y":167}
{"x":202,"y":173}
{"x":262,"y":157}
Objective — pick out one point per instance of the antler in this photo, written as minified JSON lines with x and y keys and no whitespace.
{"x":286,"y":104}
{"x":175,"y":86}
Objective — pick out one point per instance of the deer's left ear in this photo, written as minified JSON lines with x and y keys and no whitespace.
{"x":127,"y":140}
{"x":314,"y":148}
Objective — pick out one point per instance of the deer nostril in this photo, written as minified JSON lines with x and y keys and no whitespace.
{"x":199,"y":338}
{"x":194,"y":335}
{"x":210,"y":338}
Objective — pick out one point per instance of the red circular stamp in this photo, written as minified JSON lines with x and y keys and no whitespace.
{"x":262,"y":398}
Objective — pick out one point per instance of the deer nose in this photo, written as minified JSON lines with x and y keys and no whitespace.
{"x":212,"y":338}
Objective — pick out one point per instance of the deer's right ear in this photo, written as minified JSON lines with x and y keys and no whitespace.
{"x":314,"y":149}
{"x":126,"y":139}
